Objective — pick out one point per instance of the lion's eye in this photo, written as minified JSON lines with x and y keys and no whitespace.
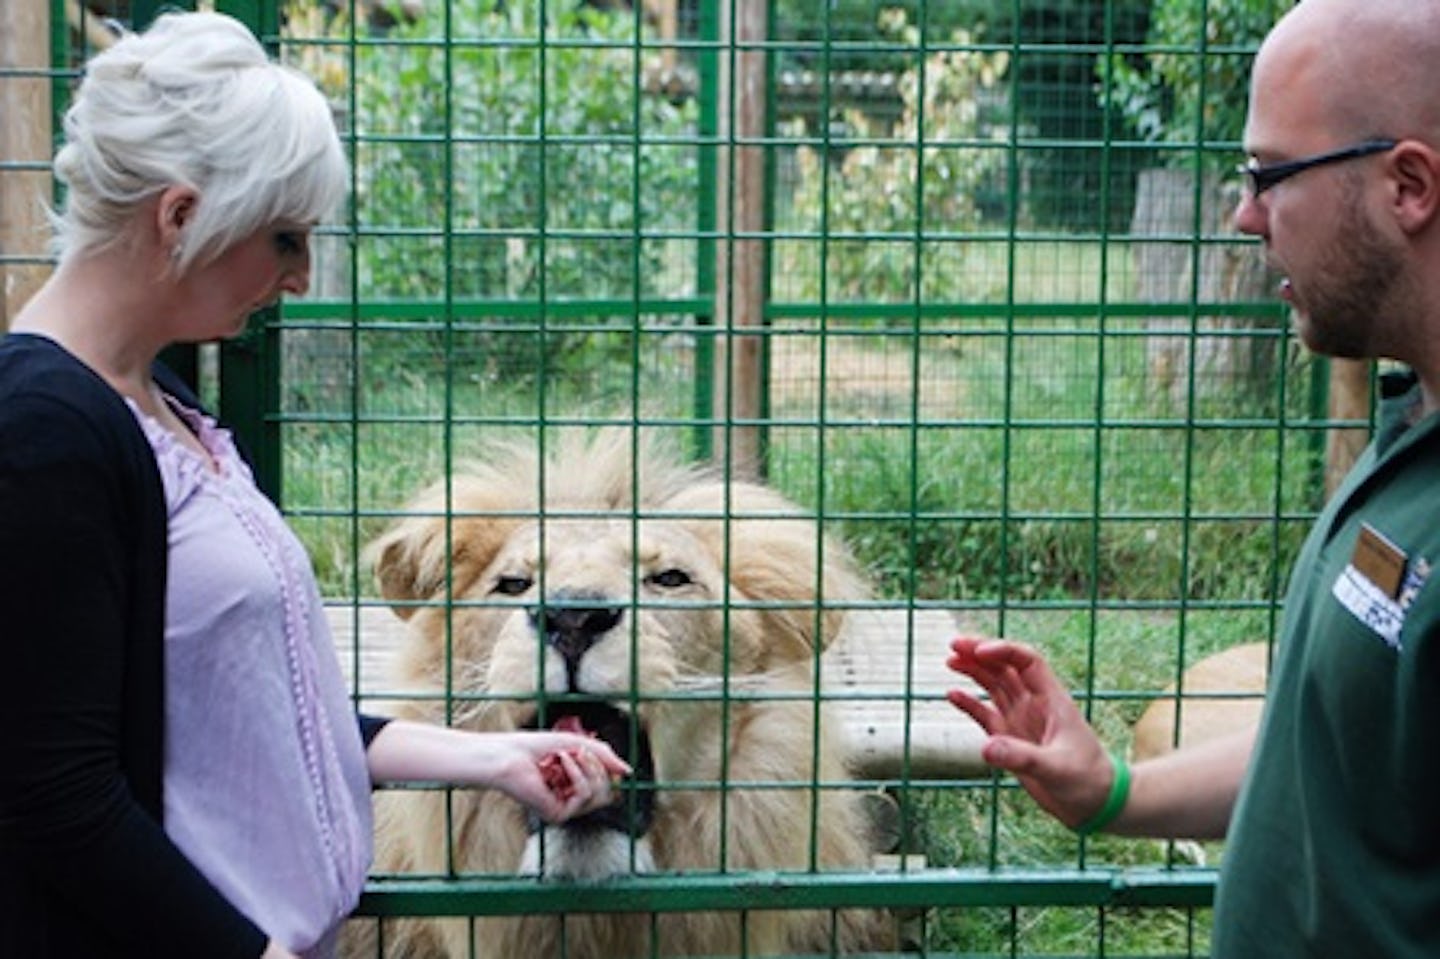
{"x":512,"y":585}
{"x":669,"y":578}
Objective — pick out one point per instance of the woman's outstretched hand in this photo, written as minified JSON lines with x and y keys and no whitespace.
{"x":558,"y":774}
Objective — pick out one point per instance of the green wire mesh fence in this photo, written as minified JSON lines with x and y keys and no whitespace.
{"x":945,"y":293}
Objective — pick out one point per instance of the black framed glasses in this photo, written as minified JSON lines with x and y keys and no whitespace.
{"x":1263,"y":176}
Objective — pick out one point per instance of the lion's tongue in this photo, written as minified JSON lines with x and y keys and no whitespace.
{"x":570,"y":724}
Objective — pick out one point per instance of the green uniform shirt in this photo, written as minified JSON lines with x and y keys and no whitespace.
{"x":1335,"y":845}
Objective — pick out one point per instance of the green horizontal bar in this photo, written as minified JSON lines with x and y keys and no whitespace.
{"x":771,"y":890}
{"x":981,"y":236}
{"x":787,"y":140}
{"x":1021,"y":309}
{"x":781,"y":45}
{"x":833,"y":422}
{"x":420,"y":309}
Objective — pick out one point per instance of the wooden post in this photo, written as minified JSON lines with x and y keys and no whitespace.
{"x":740,"y":256}
{"x":1349,"y":400}
{"x":666,"y":17}
{"x":25,"y":138}
{"x":1165,"y":266}
{"x":88,"y":25}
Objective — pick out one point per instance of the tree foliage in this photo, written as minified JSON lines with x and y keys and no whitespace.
{"x":518,"y":158}
{"x":850,"y":26}
{"x":880,"y":198}
{"x":1050,"y":85}
{"x":499,"y":157}
{"x":1069,"y":167}
{"x":1187,"y":89}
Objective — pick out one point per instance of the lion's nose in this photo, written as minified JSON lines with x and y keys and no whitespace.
{"x":573,"y":629}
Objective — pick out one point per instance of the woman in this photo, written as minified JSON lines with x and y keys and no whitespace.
{"x":181,"y":771}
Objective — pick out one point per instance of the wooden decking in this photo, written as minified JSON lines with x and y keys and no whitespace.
{"x":886,"y":675}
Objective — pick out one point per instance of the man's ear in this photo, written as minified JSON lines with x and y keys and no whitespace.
{"x":1416,"y":170}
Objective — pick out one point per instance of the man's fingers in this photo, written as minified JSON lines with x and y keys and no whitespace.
{"x":988,"y":719}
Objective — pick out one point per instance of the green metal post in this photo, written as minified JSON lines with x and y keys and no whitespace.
{"x":708,"y":63}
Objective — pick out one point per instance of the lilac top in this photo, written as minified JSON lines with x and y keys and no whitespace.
{"x":266,"y":788}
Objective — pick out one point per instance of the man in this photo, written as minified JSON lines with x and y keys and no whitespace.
{"x":1333,"y":839}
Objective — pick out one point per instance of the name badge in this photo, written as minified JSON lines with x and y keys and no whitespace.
{"x":1379,"y":560}
{"x":1379,"y":584}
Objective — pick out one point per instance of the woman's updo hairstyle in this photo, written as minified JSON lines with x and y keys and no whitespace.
{"x":195,"y":101}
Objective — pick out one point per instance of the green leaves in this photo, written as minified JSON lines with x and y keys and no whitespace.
{"x":1188,"y":87}
{"x":522,"y":144}
{"x":895,"y":201}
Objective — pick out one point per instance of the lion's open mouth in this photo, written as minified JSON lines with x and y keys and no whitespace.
{"x":635,"y":811}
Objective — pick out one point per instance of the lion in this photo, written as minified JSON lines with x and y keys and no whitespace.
{"x":678,"y":616}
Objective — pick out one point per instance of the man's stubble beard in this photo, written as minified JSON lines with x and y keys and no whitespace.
{"x":1343,"y":309}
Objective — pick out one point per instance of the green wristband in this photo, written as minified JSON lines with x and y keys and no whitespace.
{"x":1119,"y":793}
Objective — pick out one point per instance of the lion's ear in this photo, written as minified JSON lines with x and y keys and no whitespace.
{"x":409,"y":560}
{"x":449,"y":537}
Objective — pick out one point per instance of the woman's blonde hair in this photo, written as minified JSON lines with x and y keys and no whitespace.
{"x":195,"y":101}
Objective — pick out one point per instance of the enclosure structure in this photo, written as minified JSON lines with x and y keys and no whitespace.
{"x":955,"y":278}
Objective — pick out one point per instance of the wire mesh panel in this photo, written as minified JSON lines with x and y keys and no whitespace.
{"x":744,"y":352}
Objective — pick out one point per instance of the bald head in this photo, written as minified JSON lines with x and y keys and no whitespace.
{"x":1372,"y":66}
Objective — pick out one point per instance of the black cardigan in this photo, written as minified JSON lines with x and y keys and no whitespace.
{"x":86,"y":869}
